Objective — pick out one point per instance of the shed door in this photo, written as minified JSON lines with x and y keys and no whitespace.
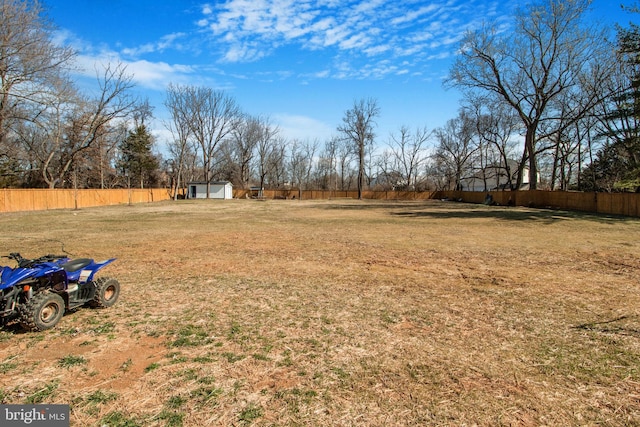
{"x":193,"y":192}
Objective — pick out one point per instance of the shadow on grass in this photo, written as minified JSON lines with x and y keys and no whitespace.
{"x":13,"y":327}
{"x":610,"y":327}
{"x":437,"y":209}
{"x":503,"y":214}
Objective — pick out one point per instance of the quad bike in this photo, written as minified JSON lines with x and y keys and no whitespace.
{"x":38,"y":291}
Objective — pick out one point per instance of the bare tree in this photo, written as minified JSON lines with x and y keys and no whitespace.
{"x":301,"y":163}
{"x":388,"y":177}
{"x":266,"y":151}
{"x":497,"y":126}
{"x":530,"y":67}
{"x":102,"y":154}
{"x":72,"y":123}
{"x":142,"y":112}
{"x":277,"y":174}
{"x":327,"y":178}
{"x":619,"y":121}
{"x":357,"y":128}
{"x":456,"y":149}
{"x":180,"y":147}
{"x":409,"y":152}
{"x":345,"y":158}
{"x":242,"y":147}
{"x":29,"y":62}
{"x":211,"y":115}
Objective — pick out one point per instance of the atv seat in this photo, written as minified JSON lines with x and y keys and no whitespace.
{"x":76,"y":264}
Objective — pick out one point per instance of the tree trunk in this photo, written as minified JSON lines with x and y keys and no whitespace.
{"x":531,"y":150}
{"x":554,"y":174}
{"x":361,"y":172}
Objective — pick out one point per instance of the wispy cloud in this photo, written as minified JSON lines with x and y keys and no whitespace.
{"x":249,"y":30}
{"x":91,"y":60}
{"x":147,"y":74}
{"x":169,"y":41}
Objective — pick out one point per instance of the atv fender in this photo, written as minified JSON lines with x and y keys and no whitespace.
{"x":85,"y":274}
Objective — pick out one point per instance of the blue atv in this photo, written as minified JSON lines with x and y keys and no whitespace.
{"x":37,"y":292}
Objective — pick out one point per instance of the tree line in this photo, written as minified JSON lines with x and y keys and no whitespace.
{"x":551,"y":103}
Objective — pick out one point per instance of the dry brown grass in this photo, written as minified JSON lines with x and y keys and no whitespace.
{"x":343,"y":312}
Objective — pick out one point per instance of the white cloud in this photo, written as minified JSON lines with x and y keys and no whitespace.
{"x":91,"y":61}
{"x":355,"y":41}
{"x":158,"y":75}
{"x":377,"y":50}
{"x":147,"y":74}
{"x":168,"y":41}
{"x":243,"y":52}
{"x":139,"y":50}
{"x":411,"y":16}
{"x":248,"y":30}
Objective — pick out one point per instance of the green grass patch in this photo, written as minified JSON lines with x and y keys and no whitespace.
{"x":190,"y":336}
{"x":177,"y":357}
{"x":105,"y":328}
{"x":119,"y":419}
{"x":43,"y":395}
{"x":261,"y":357}
{"x":100,"y":397}
{"x":175,"y":402}
{"x":232,"y":357}
{"x":202,"y":359}
{"x":206,"y":394}
{"x":71,"y":360}
{"x":153,"y":366}
{"x":250,"y":413}
{"x":7,"y":366}
{"x":171,"y":418}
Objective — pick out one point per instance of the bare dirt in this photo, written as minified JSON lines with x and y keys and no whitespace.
{"x":340,"y":312}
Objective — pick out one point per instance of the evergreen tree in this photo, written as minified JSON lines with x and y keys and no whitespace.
{"x":137,"y":161}
{"x":629,"y":46}
{"x":617,"y":165}
{"x":607,"y":170}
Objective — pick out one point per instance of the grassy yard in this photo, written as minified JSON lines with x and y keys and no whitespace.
{"x":337,"y":313}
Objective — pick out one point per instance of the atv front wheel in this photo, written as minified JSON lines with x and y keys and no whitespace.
{"x":107,"y":292}
{"x":43,"y":311}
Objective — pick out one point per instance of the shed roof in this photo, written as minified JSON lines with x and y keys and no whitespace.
{"x":212,"y":182}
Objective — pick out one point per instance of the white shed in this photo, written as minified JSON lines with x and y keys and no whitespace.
{"x":217,"y":190}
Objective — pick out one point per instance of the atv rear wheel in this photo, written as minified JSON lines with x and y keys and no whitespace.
{"x":107,"y":292}
{"x":43,"y":311}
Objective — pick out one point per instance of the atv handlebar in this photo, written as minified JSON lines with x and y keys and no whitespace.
{"x":25,"y":263}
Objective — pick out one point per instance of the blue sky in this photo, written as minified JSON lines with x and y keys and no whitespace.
{"x":301,"y":63}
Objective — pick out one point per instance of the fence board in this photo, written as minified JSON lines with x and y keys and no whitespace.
{"x":34,"y":199}
{"x":627,"y":204}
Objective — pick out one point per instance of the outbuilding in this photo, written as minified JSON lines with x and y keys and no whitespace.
{"x":217,"y":190}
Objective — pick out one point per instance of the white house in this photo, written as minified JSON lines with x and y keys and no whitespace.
{"x":217,"y":190}
{"x":496,"y":178}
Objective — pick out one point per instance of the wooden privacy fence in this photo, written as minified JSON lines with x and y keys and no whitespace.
{"x":13,"y":200}
{"x":628,"y":204}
